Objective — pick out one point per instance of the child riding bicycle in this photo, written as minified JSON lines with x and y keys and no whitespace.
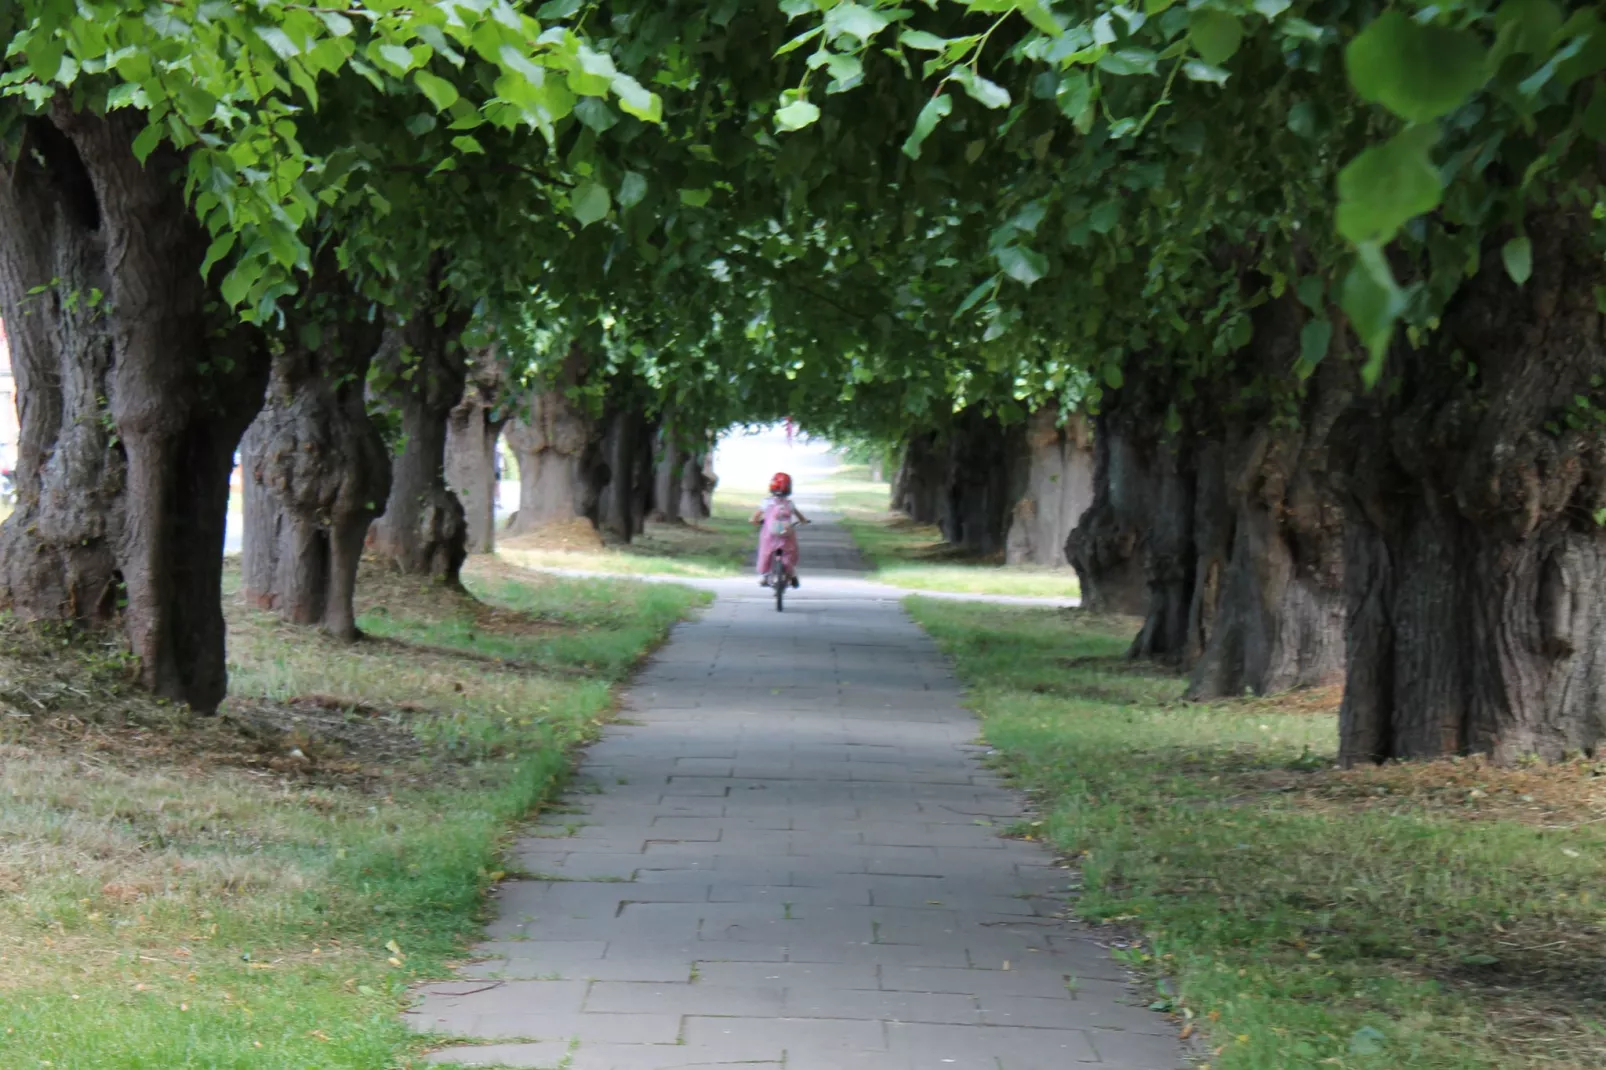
{"x":778,"y":519}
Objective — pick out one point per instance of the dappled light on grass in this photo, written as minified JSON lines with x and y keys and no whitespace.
{"x":1432,"y":916}
{"x":259,"y":888}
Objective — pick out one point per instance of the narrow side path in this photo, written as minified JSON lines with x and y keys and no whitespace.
{"x":789,"y":856}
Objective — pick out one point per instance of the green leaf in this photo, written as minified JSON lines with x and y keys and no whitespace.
{"x":632,"y":189}
{"x":799,"y":41}
{"x":1113,"y":378}
{"x":1199,"y":71}
{"x":221,"y":246}
{"x":441,"y":93}
{"x":1075,"y":92}
{"x":637,"y":100}
{"x":1022,"y":264}
{"x":590,"y":202}
{"x":696,"y":198}
{"x":1216,"y":35}
{"x":1302,"y":119}
{"x":1038,"y":14}
{"x":1373,"y":302}
{"x":797,"y":115}
{"x":1270,"y":9}
{"x":856,"y":21}
{"x":1128,"y":61}
{"x":468,"y":145}
{"x":975,"y":295}
{"x":987,"y":94}
{"x":1366,"y":1041}
{"x":936,"y":109}
{"x":923,"y":41}
{"x":281,"y":43}
{"x":1388,"y":185}
{"x":1314,"y":339}
{"x":1417,"y":72}
{"x":1518,"y":256}
{"x":146,"y":142}
{"x":398,"y":58}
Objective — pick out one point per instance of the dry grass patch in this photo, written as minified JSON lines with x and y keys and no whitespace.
{"x":260,"y":887}
{"x":1441,"y":915}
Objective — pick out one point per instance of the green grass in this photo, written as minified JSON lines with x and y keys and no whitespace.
{"x":914,"y":556}
{"x":1432,"y":916}
{"x":720,"y":545}
{"x":260,"y":889}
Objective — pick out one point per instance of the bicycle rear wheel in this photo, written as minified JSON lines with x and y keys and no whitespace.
{"x":778,"y":581}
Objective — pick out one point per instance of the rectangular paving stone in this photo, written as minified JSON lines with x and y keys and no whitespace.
{"x":795,"y":863}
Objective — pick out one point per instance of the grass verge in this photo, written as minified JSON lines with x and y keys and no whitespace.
{"x":915,"y":557}
{"x":1432,"y":916}
{"x":720,"y":545}
{"x":259,"y":889}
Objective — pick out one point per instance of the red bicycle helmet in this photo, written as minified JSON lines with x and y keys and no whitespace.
{"x":780,"y":483}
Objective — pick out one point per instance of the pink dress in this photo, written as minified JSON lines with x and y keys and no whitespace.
{"x":778,"y":512}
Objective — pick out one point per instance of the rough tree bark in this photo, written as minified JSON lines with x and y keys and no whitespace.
{"x":1268,"y":604}
{"x":1475,"y":567}
{"x":1059,"y":489}
{"x":985,"y":477}
{"x":58,"y":549}
{"x":669,"y":464}
{"x":1105,"y":547}
{"x":626,"y":439}
{"x":697,"y":483}
{"x":472,"y":430}
{"x":922,"y":478}
{"x":180,"y":390}
{"x":558,"y":447}
{"x":423,"y":530}
{"x":315,"y":469}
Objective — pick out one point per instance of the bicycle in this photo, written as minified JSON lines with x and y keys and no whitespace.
{"x":778,"y":578}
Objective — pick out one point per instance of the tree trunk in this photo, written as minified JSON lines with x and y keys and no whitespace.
{"x":1475,"y":565}
{"x":668,"y":471}
{"x":314,"y":468}
{"x":697,"y":483}
{"x":561,"y":471}
{"x":180,"y":395}
{"x":1059,"y":489}
{"x":58,"y":549}
{"x":1268,"y":610}
{"x":985,"y":479}
{"x":1168,"y":554}
{"x":423,"y":530}
{"x":627,"y":436}
{"x":919,"y":487}
{"x":1105,"y":547}
{"x":472,"y":430}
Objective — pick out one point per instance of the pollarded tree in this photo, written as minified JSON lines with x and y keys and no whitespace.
{"x":162,"y":139}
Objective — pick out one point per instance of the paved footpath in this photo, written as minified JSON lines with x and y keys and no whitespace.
{"x":789,"y":857}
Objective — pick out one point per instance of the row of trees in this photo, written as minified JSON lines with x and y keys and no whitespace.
{"x":1302,"y":297}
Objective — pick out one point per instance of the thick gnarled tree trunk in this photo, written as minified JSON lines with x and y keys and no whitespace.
{"x":1106,"y":546}
{"x":697,"y":483}
{"x":1058,"y":490}
{"x":560,"y":465}
{"x":921,"y":481}
{"x":58,"y":549}
{"x":627,"y":452}
{"x":314,"y":468}
{"x":985,"y":477}
{"x":423,"y":530}
{"x":1268,"y":612}
{"x":669,"y":469}
{"x":179,"y":393}
{"x":472,"y":431}
{"x":1475,"y":566}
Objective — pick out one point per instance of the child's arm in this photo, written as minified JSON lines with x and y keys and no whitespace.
{"x":801,"y":518}
{"x":757,"y":517}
